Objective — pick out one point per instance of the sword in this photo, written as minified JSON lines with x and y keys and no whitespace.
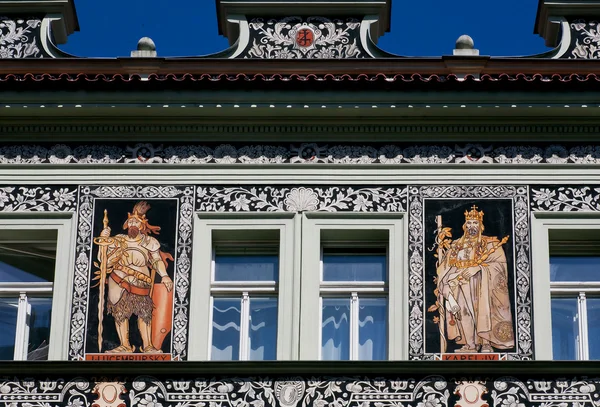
{"x":103,"y":242}
{"x":441,"y":301}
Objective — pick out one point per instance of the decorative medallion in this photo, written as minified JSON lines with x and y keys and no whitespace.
{"x":305,"y":37}
{"x":298,"y":38}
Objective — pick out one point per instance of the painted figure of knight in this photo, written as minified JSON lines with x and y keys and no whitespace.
{"x":131,"y":262}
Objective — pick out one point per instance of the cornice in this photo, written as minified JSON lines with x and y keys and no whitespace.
{"x":322,"y":132}
{"x":387,"y":66}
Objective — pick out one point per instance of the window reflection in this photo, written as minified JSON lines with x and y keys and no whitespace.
{"x":565,"y":334}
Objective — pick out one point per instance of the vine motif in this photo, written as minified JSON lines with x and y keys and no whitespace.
{"x":274,"y":199}
{"x":17,"y":39}
{"x":586,"y":41}
{"x":565,"y":199}
{"x":323,"y":38}
{"x":38,"y":199}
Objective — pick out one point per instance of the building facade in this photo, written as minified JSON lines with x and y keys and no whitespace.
{"x":245,"y":228}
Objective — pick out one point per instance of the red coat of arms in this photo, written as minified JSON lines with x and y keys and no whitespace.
{"x":305,"y":37}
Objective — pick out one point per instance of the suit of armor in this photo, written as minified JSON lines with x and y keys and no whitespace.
{"x":133,"y":260}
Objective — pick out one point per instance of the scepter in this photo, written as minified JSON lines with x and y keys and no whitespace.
{"x":103,"y":242}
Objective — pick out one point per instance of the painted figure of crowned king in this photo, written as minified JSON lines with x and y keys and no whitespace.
{"x":472,"y":289}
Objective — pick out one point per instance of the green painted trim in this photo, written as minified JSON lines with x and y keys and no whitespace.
{"x":521,"y":369}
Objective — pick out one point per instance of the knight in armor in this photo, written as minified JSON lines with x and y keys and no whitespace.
{"x":133,"y":260}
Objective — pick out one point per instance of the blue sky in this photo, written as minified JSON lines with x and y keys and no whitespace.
{"x":111,"y":28}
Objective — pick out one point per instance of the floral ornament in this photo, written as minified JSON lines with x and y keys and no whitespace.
{"x":556,"y":154}
{"x":148,"y":401}
{"x":362,"y":204}
{"x":390,"y":154}
{"x":63,"y":197}
{"x":144,"y":153}
{"x":431,"y":400}
{"x":474,"y":154}
{"x":310,"y":38}
{"x":188,"y":155}
{"x":17,"y":40}
{"x":351,"y":154}
{"x":241,"y":203}
{"x":518,"y":155}
{"x":541,"y":385}
{"x":60,"y":154}
{"x":98,"y":154}
{"x":429,"y":154}
{"x":511,"y":401}
{"x":301,"y":199}
{"x":308,"y":153}
{"x":225,"y":154}
{"x":587,"y":42}
{"x":543,"y":196}
{"x":584,"y":154}
{"x":260,"y":154}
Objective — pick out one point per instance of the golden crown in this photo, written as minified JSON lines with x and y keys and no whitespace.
{"x":474,"y":214}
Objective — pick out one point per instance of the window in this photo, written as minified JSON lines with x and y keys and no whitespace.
{"x":352,"y":279}
{"x":33,"y":309}
{"x":575,"y":293}
{"x":566,"y":273}
{"x":244,"y":297}
{"x":242,"y":300}
{"x":353,"y":302}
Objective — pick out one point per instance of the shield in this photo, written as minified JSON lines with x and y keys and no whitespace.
{"x":305,"y":37}
{"x":162,"y":315}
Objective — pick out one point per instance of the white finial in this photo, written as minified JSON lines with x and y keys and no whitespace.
{"x":465,"y":46}
{"x":145,"y":48}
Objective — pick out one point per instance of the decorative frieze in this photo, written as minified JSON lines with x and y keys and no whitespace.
{"x":303,"y":153}
{"x":297,"y":391}
{"x":304,"y":38}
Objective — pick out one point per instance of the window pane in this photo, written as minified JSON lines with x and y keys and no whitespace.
{"x":335,"y":336}
{"x":263,"y":329}
{"x":8,"y":326}
{"x":39,"y":328}
{"x":246,"y":267}
{"x":593,"y":316}
{"x":28,"y":262}
{"x":574,"y":268}
{"x":372,"y":329}
{"x":565,"y":335}
{"x":226,"y":329}
{"x":353,"y":267}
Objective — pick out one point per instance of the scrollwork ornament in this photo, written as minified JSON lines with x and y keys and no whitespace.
{"x":310,"y":38}
{"x":19,"y":38}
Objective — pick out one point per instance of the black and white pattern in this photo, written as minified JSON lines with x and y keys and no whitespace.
{"x":511,"y":392}
{"x":431,"y":391}
{"x":38,"y":198}
{"x":304,"y":153}
{"x":88,"y":194}
{"x":416,"y":253}
{"x":585,"y":42}
{"x":149,"y":391}
{"x":277,"y":39}
{"x":300,"y":199}
{"x":565,"y":198}
{"x":31,"y":392}
{"x":19,"y":38}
